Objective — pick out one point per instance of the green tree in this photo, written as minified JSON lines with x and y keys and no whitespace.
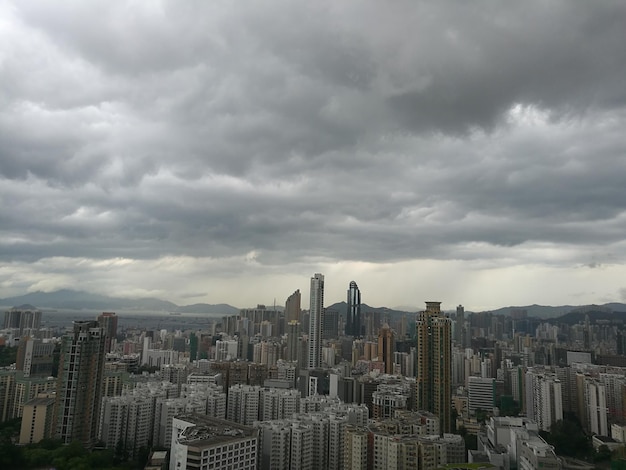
{"x":142,"y":457}
{"x":36,"y":457}
{"x":602,"y":454}
{"x":73,"y":449}
{"x":569,"y":439}
{"x":11,"y":456}
{"x":8,"y":355}
{"x":471,"y":441}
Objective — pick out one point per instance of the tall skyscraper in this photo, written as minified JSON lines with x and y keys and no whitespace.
{"x":26,"y":318}
{"x":544,"y":400}
{"x":108,"y":321}
{"x":292,"y":321}
{"x":79,"y":384}
{"x":316,"y":317}
{"x":386,"y":347}
{"x":353,"y":320}
{"x":434,"y":364}
{"x":292,"y":307}
{"x":330,"y":325}
{"x":293,"y":340}
{"x":459,"y":326}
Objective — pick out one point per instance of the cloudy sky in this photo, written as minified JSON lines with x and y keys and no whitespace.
{"x":467,"y":152}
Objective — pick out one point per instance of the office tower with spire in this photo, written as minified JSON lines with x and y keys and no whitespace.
{"x":434,"y":364}
{"x":316,"y":318}
{"x":353,"y":314}
{"x":80,"y":384}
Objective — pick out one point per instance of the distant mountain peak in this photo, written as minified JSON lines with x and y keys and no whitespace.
{"x":25,"y":307}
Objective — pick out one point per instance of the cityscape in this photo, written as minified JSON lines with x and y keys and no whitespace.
{"x":341,"y":387}
{"x":280,"y":234}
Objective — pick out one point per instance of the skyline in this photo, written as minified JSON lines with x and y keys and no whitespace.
{"x":466,"y":153}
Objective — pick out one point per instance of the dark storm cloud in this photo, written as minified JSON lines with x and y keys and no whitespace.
{"x":338,"y":131}
{"x":562,"y":57}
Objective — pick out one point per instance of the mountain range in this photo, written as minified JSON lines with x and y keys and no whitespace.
{"x":79,"y":300}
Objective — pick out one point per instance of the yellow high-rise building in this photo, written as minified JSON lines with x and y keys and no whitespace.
{"x":434,"y":364}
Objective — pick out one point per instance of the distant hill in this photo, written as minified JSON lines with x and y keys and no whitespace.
{"x":544,"y":311}
{"x":595,"y":315}
{"x":79,"y":300}
{"x":209,"y":308}
{"x":540,"y":311}
{"x":342,"y":308}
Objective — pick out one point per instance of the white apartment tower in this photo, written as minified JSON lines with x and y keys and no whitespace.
{"x":279,"y":404}
{"x":285,"y":445}
{"x":544,"y":403}
{"x":355,"y":447}
{"x":316,"y":317}
{"x":595,"y":400}
{"x":243,"y":403}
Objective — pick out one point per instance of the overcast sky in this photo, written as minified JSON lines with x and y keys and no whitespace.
{"x":225,"y":151}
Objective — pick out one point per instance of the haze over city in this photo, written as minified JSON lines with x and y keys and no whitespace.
{"x":465,"y":152}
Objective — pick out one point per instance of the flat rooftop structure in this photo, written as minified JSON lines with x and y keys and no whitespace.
{"x":538,"y":446}
{"x":38,"y":401}
{"x":158,"y":455}
{"x":206,"y":430}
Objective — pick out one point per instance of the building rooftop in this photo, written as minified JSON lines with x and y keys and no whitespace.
{"x":607,"y":439}
{"x":210,"y":431}
{"x":538,"y":446}
{"x":40,"y":401}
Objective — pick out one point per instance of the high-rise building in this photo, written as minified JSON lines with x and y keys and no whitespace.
{"x":481,"y":393}
{"x":244,"y":404}
{"x":279,"y":404}
{"x":79,"y":384}
{"x":459,"y":326}
{"x":356,"y":442}
{"x":293,"y":337}
{"x":595,"y":417}
{"x":544,"y":403}
{"x":293,"y":313}
{"x":292,"y":307}
{"x":34,"y":357}
{"x":330,"y":326}
{"x":353,"y":320}
{"x":285,"y":445}
{"x":434,"y":364}
{"x":26,"y":318}
{"x":386,"y":347}
{"x":316,"y":313}
{"x":108,"y":321}
{"x":127,"y":419}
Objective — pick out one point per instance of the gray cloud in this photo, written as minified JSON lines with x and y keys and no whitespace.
{"x":304,"y":132}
